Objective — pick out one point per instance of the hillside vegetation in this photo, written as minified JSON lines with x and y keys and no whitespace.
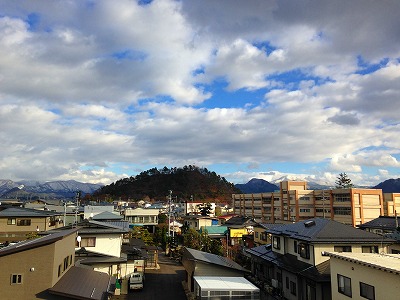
{"x":155,"y":184}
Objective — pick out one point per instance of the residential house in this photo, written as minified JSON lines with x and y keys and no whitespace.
{"x":197,"y":221}
{"x":51,"y":273}
{"x":92,"y":210}
{"x":17,"y":222}
{"x":146,"y":217}
{"x":293,"y":265}
{"x":294,"y":202}
{"x":387,"y":226}
{"x":198,"y":263}
{"x":364,"y":275}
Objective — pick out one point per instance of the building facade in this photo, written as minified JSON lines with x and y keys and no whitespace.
{"x":365,"y":276}
{"x":294,"y":202}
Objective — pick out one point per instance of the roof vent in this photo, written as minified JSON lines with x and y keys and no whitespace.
{"x":309,"y":223}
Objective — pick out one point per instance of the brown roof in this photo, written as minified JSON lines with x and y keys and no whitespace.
{"x":82,"y":283}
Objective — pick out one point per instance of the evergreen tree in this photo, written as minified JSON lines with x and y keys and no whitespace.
{"x":343,"y":181}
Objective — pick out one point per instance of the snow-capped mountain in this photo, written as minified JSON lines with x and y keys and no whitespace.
{"x":56,"y":189}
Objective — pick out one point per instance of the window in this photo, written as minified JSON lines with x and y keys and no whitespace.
{"x":367,"y":291}
{"x":11,"y":221}
{"x":293,"y":289}
{"x":295,"y":246}
{"x":342,"y":197}
{"x":343,"y":211}
{"x":287,"y":282}
{"x":16,"y":278}
{"x":256,"y":234}
{"x":304,"y":250}
{"x":277,"y":242}
{"x":87,"y":242}
{"x":342,"y":248}
{"x":305,"y":210}
{"x":344,"y":285}
{"x":370,"y":249}
{"x":24,"y":222}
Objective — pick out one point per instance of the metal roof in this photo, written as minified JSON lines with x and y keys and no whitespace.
{"x":83,"y":283}
{"x":217,"y":283}
{"x":214,"y":259}
{"x":30,"y":244}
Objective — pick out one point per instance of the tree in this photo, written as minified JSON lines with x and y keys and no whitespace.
{"x":139,"y":232}
{"x":343,"y":181}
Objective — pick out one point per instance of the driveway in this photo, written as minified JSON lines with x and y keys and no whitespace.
{"x":164,"y":283}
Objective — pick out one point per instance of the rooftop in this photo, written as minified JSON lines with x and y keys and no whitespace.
{"x":319,"y":230}
{"x":385,"y":262}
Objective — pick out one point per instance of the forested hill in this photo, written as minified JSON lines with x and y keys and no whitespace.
{"x":184,"y":182}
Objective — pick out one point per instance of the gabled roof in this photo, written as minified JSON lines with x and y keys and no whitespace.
{"x":240,"y":221}
{"x":214,"y":259}
{"x":320,"y":230}
{"x":35,"y":243}
{"x":383,"y":222}
{"x":106,"y":215}
{"x":27,"y":212}
{"x":83,"y":283}
{"x":96,"y":227}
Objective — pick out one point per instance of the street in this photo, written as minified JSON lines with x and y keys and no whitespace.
{"x":164,"y":283}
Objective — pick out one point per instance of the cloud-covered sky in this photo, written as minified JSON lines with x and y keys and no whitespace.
{"x":100,"y":90}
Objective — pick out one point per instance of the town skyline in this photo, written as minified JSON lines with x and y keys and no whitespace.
{"x":99,"y":91}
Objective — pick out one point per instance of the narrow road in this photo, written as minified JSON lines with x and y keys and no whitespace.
{"x":162,"y":284}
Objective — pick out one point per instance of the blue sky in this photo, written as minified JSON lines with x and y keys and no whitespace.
{"x":100,"y":90}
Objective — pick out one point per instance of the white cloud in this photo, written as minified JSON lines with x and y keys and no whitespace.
{"x":92,"y":84}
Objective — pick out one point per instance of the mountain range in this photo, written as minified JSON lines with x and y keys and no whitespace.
{"x":53,"y":189}
{"x":262,"y":186}
{"x":67,"y":189}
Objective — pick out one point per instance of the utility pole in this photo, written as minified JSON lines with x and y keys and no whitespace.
{"x":169,"y":213}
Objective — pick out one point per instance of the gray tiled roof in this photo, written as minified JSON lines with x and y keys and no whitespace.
{"x":214,"y":259}
{"x":27,"y":212}
{"x":383,"y":222}
{"x":106,"y":215}
{"x":320,"y":230}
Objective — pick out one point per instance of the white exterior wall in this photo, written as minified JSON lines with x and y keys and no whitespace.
{"x":387,"y":285}
{"x":109,"y":244}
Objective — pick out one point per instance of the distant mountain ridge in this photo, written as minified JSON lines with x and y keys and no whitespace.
{"x":389,"y":186}
{"x":51,"y":189}
{"x":256,"y":185}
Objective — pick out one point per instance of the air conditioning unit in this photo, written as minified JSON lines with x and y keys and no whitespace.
{"x":274,"y":283}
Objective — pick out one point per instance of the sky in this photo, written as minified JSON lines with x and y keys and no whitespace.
{"x":96,"y":91}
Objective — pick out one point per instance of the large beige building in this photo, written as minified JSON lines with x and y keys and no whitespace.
{"x":294,"y":202}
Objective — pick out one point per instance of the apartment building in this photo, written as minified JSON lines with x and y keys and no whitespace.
{"x":294,"y":202}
